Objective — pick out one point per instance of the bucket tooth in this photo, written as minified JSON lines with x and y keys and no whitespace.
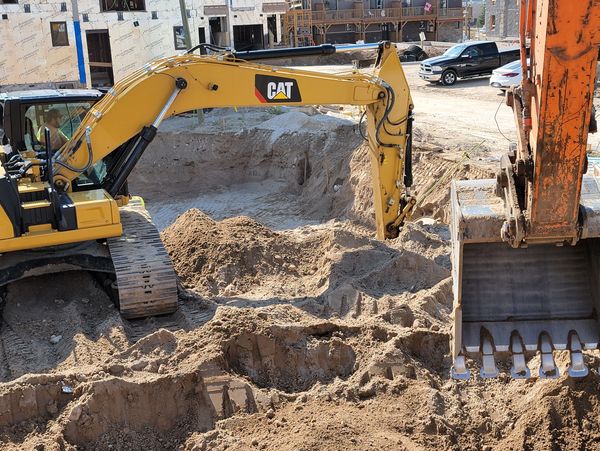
{"x":548,"y":368}
{"x":489,"y":369}
{"x":459,"y":370}
{"x":577,"y":368}
{"x":519,"y":369}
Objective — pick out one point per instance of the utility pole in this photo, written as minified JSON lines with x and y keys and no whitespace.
{"x":188,"y":44}
{"x":78,"y":43}
{"x":186,"y":25}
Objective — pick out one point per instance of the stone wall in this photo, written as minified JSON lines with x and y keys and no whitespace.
{"x":450,"y":31}
{"x":505,"y":15}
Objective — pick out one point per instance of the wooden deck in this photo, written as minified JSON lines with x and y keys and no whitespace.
{"x":298,"y":22}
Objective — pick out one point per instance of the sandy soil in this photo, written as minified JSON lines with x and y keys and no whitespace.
{"x":295,"y":329}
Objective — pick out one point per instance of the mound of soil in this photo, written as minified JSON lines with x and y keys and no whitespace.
{"x":237,"y":254}
{"x":361,"y":363}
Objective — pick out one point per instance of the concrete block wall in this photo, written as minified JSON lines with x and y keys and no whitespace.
{"x":26,"y":52}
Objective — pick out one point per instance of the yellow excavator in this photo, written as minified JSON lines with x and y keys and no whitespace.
{"x":64,"y":201}
{"x":526,"y":245}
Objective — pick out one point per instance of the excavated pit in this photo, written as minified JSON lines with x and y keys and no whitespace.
{"x":293,"y":321}
{"x":290,"y":360}
{"x":284,"y":167}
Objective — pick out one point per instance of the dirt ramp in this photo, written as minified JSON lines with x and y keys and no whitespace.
{"x":431,"y":166}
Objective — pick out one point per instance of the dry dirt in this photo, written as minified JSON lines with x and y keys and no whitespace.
{"x":295,"y":330}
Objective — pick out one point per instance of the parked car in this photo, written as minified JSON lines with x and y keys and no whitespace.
{"x":414,"y":53}
{"x":506,"y":76}
{"x":469,"y":59}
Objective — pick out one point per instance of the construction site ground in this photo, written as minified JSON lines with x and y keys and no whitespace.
{"x":296,"y":329}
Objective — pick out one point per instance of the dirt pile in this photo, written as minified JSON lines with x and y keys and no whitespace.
{"x":236,"y":255}
{"x":241,"y":257}
{"x":360,"y":362}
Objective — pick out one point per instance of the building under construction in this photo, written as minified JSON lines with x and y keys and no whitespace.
{"x":501,"y":18}
{"x":344,"y":21}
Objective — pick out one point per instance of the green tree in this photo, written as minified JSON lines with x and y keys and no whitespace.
{"x":481,"y":18}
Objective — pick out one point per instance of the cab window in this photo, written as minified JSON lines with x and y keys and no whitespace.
{"x":489,"y":49}
{"x":62,"y":119}
{"x":473,"y":52}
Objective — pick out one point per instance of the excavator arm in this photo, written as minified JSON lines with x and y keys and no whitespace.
{"x":127,"y":118}
{"x":526,"y":248}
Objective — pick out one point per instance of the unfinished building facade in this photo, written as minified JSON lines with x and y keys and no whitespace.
{"x":502,"y":18}
{"x":76,"y":43}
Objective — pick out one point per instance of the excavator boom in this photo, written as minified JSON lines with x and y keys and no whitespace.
{"x":135,"y":106}
{"x":526,"y":255}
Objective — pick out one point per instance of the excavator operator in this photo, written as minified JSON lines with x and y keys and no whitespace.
{"x":52,"y":120}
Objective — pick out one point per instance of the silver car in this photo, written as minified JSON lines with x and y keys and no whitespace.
{"x":506,"y":76}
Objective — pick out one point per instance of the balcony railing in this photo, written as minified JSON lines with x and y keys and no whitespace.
{"x":453,"y":12}
{"x":380,"y":15}
{"x":337,"y":15}
{"x":418,"y":11}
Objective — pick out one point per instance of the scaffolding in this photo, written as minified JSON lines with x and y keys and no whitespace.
{"x":298,"y":25}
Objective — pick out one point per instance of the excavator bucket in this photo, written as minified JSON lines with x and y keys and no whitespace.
{"x":526,"y":247}
{"x":519,"y":302}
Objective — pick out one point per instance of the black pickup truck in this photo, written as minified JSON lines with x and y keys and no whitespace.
{"x":469,"y":59}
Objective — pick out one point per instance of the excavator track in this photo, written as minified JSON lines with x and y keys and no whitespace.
{"x":145,"y":278}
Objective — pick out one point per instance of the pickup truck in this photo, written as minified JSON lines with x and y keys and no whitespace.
{"x":469,"y":59}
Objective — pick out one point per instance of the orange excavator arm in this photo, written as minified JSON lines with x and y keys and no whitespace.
{"x":526,"y":245}
{"x":553,"y":107}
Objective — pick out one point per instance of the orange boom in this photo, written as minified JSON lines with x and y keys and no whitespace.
{"x":526,"y":253}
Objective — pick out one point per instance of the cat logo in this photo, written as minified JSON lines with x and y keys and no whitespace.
{"x":269,"y":89}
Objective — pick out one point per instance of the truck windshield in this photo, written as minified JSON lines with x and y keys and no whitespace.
{"x":455,"y":51}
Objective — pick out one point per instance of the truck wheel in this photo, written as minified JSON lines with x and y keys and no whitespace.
{"x":449,"y":78}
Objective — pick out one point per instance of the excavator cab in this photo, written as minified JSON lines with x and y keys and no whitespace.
{"x":526,"y":245}
{"x":24,"y":115}
{"x":26,"y":112}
